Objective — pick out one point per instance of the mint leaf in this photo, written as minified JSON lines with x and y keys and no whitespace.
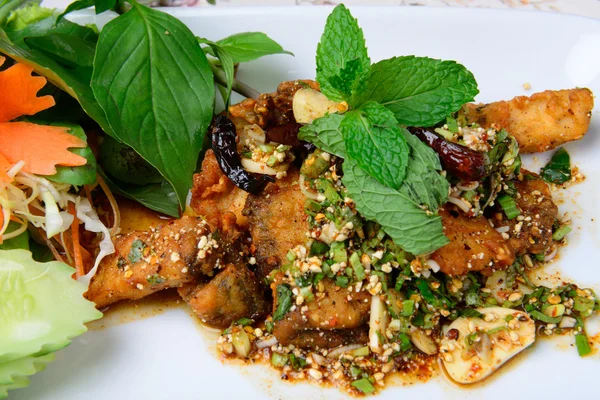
{"x":407,"y":214}
{"x":248,"y":46}
{"x":408,"y":225}
{"x":420,"y":91}
{"x":325,"y":133}
{"x":342,"y":57}
{"x":373,"y":139}
{"x":156,"y":87}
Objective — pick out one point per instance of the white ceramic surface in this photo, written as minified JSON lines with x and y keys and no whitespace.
{"x":168,"y":357}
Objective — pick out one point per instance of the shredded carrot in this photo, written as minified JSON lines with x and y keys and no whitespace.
{"x":19,"y":92}
{"x":79,"y":267}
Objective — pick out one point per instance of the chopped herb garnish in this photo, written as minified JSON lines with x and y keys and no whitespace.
{"x":561,"y":232}
{"x":155,"y":279}
{"x":244,"y":322}
{"x":284,"y":301}
{"x":136,"y":251}
{"x":558,"y":169}
{"x":364,"y":385}
{"x":509,"y":206}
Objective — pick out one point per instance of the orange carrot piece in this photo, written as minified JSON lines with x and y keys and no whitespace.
{"x":19,"y":92}
{"x":4,"y":167}
{"x":77,"y":256}
{"x":41,"y":147}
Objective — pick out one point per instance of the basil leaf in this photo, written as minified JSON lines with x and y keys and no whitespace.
{"x":157,"y":196}
{"x":155,"y":85}
{"x":52,"y":25}
{"x":341,"y":55}
{"x":20,"y":13}
{"x":325,"y":133}
{"x":400,"y":212}
{"x":284,"y":301}
{"x":373,"y":139}
{"x":75,"y":6}
{"x":76,"y":82}
{"x":558,"y":169}
{"x":69,"y":50}
{"x":248,"y":46}
{"x":420,"y":91}
{"x":83,"y":174}
{"x":227,"y":65}
{"x":18,"y":242}
{"x":104,"y":5}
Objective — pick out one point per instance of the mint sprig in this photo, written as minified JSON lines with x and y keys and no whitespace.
{"x":342,"y":57}
{"x":393,"y":178}
{"x":373,"y":139}
{"x":420,"y":91}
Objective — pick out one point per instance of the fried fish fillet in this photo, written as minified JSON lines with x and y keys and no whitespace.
{"x":540,"y":122}
{"x":331,"y":319}
{"x":277,"y":221}
{"x":232,"y":294}
{"x":474,"y":245}
{"x":146,"y":262}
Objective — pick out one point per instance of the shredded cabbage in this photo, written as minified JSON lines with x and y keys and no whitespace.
{"x":43,"y":204}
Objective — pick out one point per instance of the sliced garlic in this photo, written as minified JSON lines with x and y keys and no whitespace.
{"x":423,"y":342}
{"x":309,"y":104}
{"x":377,"y":323}
{"x":510,"y":332}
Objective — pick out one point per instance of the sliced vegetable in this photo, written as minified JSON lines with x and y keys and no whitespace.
{"x":509,"y":206}
{"x":471,"y":354}
{"x":561,"y":232}
{"x":38,"y":321}
{"x":364,"y":385}
{"x":13,"y":374}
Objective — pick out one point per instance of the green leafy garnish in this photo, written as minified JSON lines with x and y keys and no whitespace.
{"x":136,"y":251}
{"x":509,"y":206}
{"x":420,"y":91}
{"x":81,"y":175}
{"x":248,"y":46}
{"x":558,"y":169}
{"x":341,"y":55}
{"x":325,"y":133}
{"x":163,"y":119}
{"x":227,"y":64}
{"x":373,"y":140}
{"x":284,"y":301}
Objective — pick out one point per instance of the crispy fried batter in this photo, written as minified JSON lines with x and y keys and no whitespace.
{"x":328,"y":321}
{"x":474,"y":244}
{"x":531,"y":232}
{"x":540,"y":122}
{"x":277,"y":221}
{"x":271,"y":108}
{"x":233,"y":294}
{"x":216,"y":198}
{"x":149,"y":261}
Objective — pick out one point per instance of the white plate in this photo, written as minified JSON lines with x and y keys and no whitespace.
{"x":167,"y":357}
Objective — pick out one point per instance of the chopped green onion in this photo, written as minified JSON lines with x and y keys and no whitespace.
{"x":539,"y":257}
{"x":279,"y":360}
{"x":291,"y":256}
{"x":338,"y":252}
{"x":328,"y":190}
{"x":540,"y":316}
{"x":244,"y":321}
{"x":405,"y":342}
{"x":509,"y":206}
{"x":312,"y":207}
{"x":307,"y":293}
{"x":269,"y":326}
{"x":583,"y":345}
{"x":364,"y":385}
{"x":318,"y":248}
{"x":584,"y":305}
{"x":496,"y":330}
{"x":247,"y":154}
{"x":408,"y":308}
{"x":266,"y":148}
{"x":362,"y":352}
{"x":272,"y":161}
{"x":561,"y":232}
{"x":342,"y":281}
{"x":359,"y":270}
{"x":452,"y":124}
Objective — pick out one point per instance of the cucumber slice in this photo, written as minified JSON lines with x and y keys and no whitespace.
{"x":42,"y":306}
{"x":13,"y":374}
{"x":20,"y":382}
{"x":23,"y":367}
